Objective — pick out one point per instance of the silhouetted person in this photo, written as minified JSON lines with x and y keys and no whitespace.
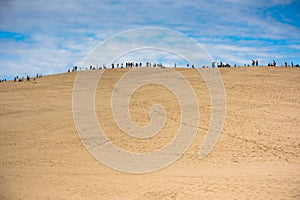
{"x":213,"y":64}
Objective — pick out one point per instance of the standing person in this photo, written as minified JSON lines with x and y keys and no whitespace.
{"x":256,"y":62}
{"x":292,"y":64}
{"x":274,"y":63}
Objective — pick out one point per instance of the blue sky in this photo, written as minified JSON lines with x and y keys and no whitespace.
{"x":51,"y":36}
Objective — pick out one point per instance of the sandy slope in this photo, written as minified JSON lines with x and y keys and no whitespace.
{"x":257,"y":155}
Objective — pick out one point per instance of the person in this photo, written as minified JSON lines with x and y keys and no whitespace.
{"x":274,"y":63}
{"x":292,"y":64}
{"x":253,"y":62}
{"x":285,"y":64}
{"x":28,"y":78}
{"x":256,"y":62}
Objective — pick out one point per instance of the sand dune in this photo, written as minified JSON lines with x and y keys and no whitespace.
{"x":257,"y":155}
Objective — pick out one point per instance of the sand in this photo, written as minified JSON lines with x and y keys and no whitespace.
{"x":257,"y":155}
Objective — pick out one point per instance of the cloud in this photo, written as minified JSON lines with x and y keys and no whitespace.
{"x":51,"y":36}
{"x":297,"y":46}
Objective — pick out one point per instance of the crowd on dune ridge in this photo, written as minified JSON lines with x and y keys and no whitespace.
{"x":21,"y":79}
{"x":188,"y":65}
{"x":253,"y":63}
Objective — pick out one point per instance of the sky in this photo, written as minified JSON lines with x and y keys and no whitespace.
{"x":47,"y":37}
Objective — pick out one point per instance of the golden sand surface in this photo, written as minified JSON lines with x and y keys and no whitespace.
{"x":256,"y":157}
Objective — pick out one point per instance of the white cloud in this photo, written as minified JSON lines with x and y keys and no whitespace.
{"x":296,"y":46}
{"x":60,"y":34}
